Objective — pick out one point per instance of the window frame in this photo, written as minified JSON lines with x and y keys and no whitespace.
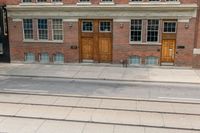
{"x":140,"y":60}
{"x":105,"y":31}
{"x":150,"y":42}
{"x":92,"y":26}
{"x":53,"y":30}
{"x":157,"y":60}
{"x":164,"y":27}
{"x":22,"y":1}
{"x":38,"y":36}
{"x":136,"y":42}
{"x":24,"y":29}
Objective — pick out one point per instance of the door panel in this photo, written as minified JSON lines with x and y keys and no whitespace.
{"x":168,"y":51}
{"x":105,"y":49}
{"x":87,"y":48}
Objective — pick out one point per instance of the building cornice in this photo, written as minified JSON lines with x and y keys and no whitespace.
{"x":115,"y":7}
{"x":103,"y":11}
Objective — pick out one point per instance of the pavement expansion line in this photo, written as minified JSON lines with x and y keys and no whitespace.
{"x":98,"y":97}
{"x":107,"y":123}
{"x":101,"y":108}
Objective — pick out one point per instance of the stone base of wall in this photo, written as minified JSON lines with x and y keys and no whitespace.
{"x":196,"y":61}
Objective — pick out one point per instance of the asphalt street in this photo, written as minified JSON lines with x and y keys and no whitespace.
{"x":146,"y":90}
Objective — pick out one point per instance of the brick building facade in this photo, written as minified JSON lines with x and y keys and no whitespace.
{"x":143,"y":32}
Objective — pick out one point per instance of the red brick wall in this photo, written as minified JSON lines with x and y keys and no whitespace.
{"x":185,"y":37}
{"x":18,"y":48}
{"x":122,"y":49}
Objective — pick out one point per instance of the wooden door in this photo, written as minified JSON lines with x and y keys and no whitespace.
{"x":105,"y":41}
{"x":87,"y":48}
{"x":105,"y":50}
{"x":86,"y":40}
{"x":168,"y":51}
{"x":96,"y":40}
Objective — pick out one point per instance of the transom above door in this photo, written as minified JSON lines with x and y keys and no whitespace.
{"x":95,"y":40}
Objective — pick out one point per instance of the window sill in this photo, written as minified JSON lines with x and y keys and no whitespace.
{"x":157,"y":3}
{"x":144,"y":43}
{"x":41,"y":4}
{"x":84,"y":3}
{"x":42,"y":41}
{"x":106,"y":3}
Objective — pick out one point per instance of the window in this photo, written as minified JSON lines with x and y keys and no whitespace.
{"x":151,"y":60}
{"x":57,"y":29}
{"x":56,"y":0}
{"x":169,"y":27}
{"x":84,"y":0}
{"x":26,"y":1}
{"x":42,"y":29}
{"x":41,"y":0}
{"x":152,"y":30}
{"x":87,"y":26}
{"x":154,"y":0}
{"x":44,"y":58}
{"x":29,"y":57}
{"x":28,"y":28}
{"x":135,"y":60}
{"x":136,"y":30}
{"x":1,"y":48}
{"x":59,"y":58}
{"x":106,"y":0}
{"x":105,"y":26}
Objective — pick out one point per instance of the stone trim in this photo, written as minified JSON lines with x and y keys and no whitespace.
{"x":196,"y":51}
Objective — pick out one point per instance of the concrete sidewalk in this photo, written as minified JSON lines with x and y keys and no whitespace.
{"x":103,"y":72}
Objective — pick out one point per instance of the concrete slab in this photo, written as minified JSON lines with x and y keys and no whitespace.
{"x":109,"y":116}
{"x":2,"y":119}
{"x":12,"y":97}
{"x":19,"y":125}
{"x":128,"y":129}
{"x":136,"y":74}
{"x":195,"y":121}
{"x":88,"y":102}
{"x":44,"y":111}
{"x":57,"y":112}
{"x":154,"y":106}
{"x":87,"y":74}
{"x":9,"y":109}
{"x":178,"y":75}
{"x":127,"y":117}
{"x":98,"y":128}
{"x":118,"y":104}
{"x":177,"y":121}
{"x":162,"y":130}
{"x":187,"y":108}
{"x":91,"y":69}
{"x":33,"y":111}
{"x":67,"y":101}
{"x":111,"y":76}
{"x":151,"y":119}
{"x":40,"y":99}
{"x":61,"y":127}
{"x":80,"y":114}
